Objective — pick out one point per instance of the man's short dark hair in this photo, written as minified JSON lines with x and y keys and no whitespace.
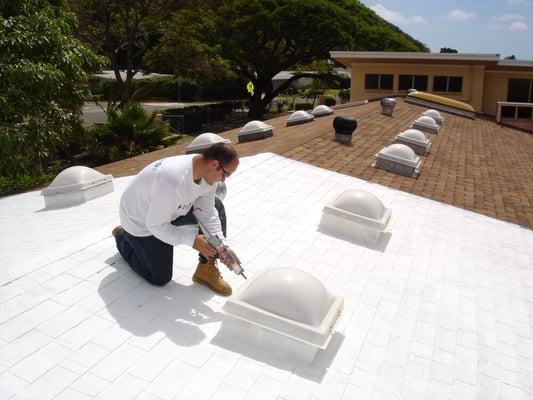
{"x":224,"y":153}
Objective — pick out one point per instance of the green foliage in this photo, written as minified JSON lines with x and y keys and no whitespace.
{"x":256,"y":39}
{"x":344,"y":94}
{"x":128,"y":133}
{"x":330,"y":101}
{"x":16,"y":184}
{"x":447,"y":50}
{"x":303,"y":106}
{"x":43,"y":84}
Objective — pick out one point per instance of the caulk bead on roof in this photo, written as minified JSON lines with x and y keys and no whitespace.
{"x":360,"y":202}
{"x":290,"y":293}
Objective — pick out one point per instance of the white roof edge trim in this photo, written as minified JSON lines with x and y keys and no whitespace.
{"x":415,"y":55}
{"x":374,"y":223}
{"x":516,"y":63}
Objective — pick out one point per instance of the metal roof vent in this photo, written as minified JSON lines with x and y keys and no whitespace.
{"x":415,"y":139}
{"x":299,"y":117}
{"x":426,"y":124}
{"x":400,"y":159}
{"x":286,"y":309}
{"x":255,"y":130}
{"x":355,"y":215}
{"x":204,"y":141}
{"x":322,"y":111}
{"x":76,"y":185}
{"x":437,"y":116}
{"x":387,"y":106}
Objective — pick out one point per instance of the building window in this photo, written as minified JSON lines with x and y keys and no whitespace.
{"x":520,"y":90}
{"x":378,"y":81}
{"x":418,"y":82}
{"x":448,"y":84}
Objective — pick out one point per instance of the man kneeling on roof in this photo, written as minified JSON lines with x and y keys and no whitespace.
{"x":156,"y":213}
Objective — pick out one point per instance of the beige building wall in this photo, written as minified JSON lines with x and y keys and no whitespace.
{"x":472,"y":90}
{"x":496,"y":83}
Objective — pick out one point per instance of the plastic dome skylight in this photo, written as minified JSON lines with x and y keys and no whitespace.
{"x":415,"y":139}
{"x":76,"y":185}
{"x":321,"y":111}
{"x":254,"y":130}
{"x":289,"y":305}
{"x":401,"y":154}
{"x":299,"y":117}
{"x":437,"y":116}
{"x":426,"y":123}
{"x":204,"y":141}
{"x":355,"y":215}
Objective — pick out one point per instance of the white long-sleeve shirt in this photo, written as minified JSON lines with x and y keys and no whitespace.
{"x":163,"y":191}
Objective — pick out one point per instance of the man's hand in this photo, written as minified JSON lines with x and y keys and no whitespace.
{"x":202,"y":245}
{"x":228,"y":257}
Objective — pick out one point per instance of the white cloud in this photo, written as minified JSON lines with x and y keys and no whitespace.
{"x":518,"y":26}
{"x":508,"y":17}
{"x":459,"y":15}
{"x":396,"y":17}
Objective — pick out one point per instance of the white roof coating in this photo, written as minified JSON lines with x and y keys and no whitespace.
{"x":443,"y":312}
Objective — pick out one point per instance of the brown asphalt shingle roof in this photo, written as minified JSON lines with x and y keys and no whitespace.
{"x":477,"y":164}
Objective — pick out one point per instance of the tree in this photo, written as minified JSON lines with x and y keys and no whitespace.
{"x":511,"y":57}
{"x":123,"y":31}
{"x":43,"y":83}
{"x":447,"y":50}
{"x":257,"y":38}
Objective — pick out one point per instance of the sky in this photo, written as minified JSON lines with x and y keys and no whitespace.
{"x":502,"y":27}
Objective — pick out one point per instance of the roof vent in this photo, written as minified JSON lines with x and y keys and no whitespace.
{"x":356,"y":216}
{"x":299,"y":117}
{"x":426,"y":124}
{"x":387,"y":106}
{"x":435,"y":115}
{"x":287,"y":309}
{"x":204,"y":141}
{"x":321,"y":111}
{"x":344,"y":128}
{"x":400,"y":159}
{"x":255,"y":130}
{"x":76,"y":185}
{"x":415,"y":139}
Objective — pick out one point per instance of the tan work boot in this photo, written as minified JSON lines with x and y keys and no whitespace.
{"x":117,"y":230}
{"x":208,"y":274}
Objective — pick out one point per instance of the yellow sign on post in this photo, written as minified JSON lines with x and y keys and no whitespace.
{"x":250,"y":88}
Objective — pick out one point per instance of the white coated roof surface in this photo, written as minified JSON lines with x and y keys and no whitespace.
{"x":444,"y":311}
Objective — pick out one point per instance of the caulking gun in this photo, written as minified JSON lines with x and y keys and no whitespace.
{"x":222,"y":250}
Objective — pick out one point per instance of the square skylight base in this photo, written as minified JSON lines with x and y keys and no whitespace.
{"x":249,"y":137}
{"x":74,"y":198}
{"x":419,"y":149}
{"x":397,"y":168}
{"x":426,"y":128}
{"x":367,"y":234}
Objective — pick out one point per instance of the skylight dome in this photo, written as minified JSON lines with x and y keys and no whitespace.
{"x":400,"y":159}
{"x":255,"y":130}
{"x":321,"y":111}
{"x":415,"y":139}
{"x":287,"y":307}
{"x":437,"y":116}
{"x":204,"y":141}
{"x":299,"y":117}
{"x":76,"y":185}
{"x":357,"y":216}
{"x":427,"y":124}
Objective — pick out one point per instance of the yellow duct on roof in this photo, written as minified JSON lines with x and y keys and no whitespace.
{"x":442,"y":100}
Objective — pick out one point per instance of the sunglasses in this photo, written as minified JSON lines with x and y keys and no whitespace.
{"x":226,"y":175}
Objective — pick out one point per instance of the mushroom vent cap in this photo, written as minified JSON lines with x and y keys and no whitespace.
{"x":204,"y":141}
{"x":414,"y":135}
{"x":360,"y":202}
{"x":400,"y":151}
{"x":290,"y":293}
{"x":426,"y":121}
{"x":255,"y":127}
{"x":299,"y":117}
{"x":322,"y":110}
{"x":388,"y":101}
{"x":74,"y":179}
